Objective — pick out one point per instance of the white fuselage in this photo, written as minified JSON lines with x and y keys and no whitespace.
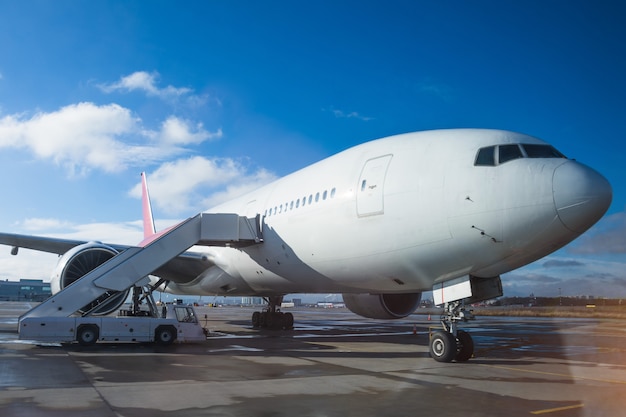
{"x":399,"y":214}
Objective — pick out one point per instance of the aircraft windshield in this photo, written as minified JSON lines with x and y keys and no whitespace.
{"x":499,"y":154}
{"x":542,"y":151}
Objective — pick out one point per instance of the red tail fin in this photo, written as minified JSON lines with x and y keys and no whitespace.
{"x":148,"y":219}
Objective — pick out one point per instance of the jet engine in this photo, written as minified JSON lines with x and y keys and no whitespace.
{"x":382,"y":306}
{"x":76,"y":263}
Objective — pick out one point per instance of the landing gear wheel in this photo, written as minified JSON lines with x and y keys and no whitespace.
{"x":442,"y":346}
{"x":164,"y":335}
{"x":288,"y":321}
{"x":87,"y":334}
{"x":466,"y":346}
{"x":270,"y":320}
{"x":256,"y":319}
{"x":276,"y":320}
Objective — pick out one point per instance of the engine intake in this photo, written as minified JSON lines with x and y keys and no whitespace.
{"x":76,"y":263}
{"x":382,"y":306}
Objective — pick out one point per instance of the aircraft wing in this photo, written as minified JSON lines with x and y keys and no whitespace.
{"x":39,"y":243}
{"x":185,"y":267}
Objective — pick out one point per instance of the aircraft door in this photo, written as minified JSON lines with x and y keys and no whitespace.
{"x":370,"y":191}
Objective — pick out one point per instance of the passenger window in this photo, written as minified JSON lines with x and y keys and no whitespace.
{"x":324,"y":195}
{"x":485,"y":157}
{"x":317,"y":197}
{"x":363,"y":185}
{"x":291,"y":206}
{"x":332,"y":193}
{"x":508,"y":153}
{"x":297,"y":203}
{"x":310,"y":198}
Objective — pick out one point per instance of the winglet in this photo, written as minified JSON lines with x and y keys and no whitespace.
{"x":148,"y":219}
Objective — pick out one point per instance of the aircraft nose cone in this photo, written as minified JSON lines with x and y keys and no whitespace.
{"x":581,"y":195}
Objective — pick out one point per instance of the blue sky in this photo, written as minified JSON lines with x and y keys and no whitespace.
{"x":213,"y":98}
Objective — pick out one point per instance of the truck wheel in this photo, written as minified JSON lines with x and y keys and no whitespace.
{"x":87,"y":334}
{"x":165,"y":335}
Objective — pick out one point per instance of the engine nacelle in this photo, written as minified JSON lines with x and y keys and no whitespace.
{"x":77,"y":262}
{"x":382,"y":306}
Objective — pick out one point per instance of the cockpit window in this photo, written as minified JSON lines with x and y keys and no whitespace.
{"x":541,"y":151}
{"x":485,"y":156}
{"x":508,"y":153}
{"x":505,"y":153}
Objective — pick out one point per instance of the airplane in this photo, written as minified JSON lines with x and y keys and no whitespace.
{"x":443,"y":210}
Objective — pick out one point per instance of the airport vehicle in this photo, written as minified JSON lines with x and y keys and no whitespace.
{"x":178,"y":324}
{"x":444,"y":210}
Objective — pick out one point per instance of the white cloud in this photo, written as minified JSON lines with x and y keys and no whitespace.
{"x":146,"y":82}
{"x":607,"y":236}
{"x":580,"y":276}
{"x":126,"y":233}
{"x":85,"y":136}
{"x":436,"y":89}
{"x":80,"y":136}
{"x":176,"y":131}
{"x":40,"y":224}
{"x":27,"y":264}
{"x":183,"y":185}
{"x":340,"y":114}
{"x":240,"y":187}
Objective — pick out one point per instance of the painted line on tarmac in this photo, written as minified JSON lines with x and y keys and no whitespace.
{"x":554,"y":410}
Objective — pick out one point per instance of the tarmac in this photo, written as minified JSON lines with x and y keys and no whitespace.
{"x":333,"y":363}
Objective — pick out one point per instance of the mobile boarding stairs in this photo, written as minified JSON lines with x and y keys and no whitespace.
{"x":126,"y":269}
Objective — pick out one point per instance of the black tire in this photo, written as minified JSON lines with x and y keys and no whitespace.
{"x":442,"y":346}
{"x":87,"y":334}
{"x":466,"y":346}
{"x":288,"y":321}
{"x":165,"y":335}
{"x":273,"y":320}
{"x":256,"y":319}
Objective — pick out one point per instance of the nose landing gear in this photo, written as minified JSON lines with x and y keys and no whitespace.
{"x":451,"y":343}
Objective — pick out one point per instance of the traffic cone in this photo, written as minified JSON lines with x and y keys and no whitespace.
{"x":429,"y":317}
{"x":415,"y":329}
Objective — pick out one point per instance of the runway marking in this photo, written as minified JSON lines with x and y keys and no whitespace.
{"x":509,"y":368}
{"x":554,"y":410}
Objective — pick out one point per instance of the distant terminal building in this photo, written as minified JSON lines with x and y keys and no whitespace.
{"x":251,"y":301}
{"x":24,"y":290}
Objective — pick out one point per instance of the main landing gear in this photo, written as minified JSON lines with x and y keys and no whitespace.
{"x":271,"y":317}
{"x":450,"y":343}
